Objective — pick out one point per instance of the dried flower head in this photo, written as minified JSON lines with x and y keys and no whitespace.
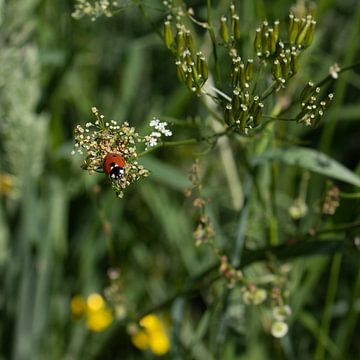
{"x":100,"y":138}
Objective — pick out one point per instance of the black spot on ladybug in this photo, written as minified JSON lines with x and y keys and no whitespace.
{"x":116,"y":172}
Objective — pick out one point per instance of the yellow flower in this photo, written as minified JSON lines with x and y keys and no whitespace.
{"x":99,"y":320}
{"x":78,"y":306}
{"x":152,"y":336}
{"x":98,"y":315}
{"x":6,"y":184}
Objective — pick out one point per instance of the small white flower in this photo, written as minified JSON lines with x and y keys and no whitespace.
{"x":334,"y":71}
{"x":279,"y":329}
{"x":280,"y":313}
{"x":154,"y":122}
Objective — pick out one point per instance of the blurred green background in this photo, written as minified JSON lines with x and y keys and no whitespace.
{"x":61,"y":230}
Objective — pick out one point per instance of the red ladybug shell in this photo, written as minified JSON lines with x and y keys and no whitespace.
{"x":112,"y":160}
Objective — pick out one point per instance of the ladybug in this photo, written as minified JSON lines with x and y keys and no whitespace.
{"x":113,"y":165}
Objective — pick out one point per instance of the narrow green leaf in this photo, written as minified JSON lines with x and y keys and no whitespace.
{"x":312,"y":160}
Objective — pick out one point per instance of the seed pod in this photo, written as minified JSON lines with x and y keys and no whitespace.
{"x":302,"y":33}
{"x":307,"y":91}
{"x":284,"y":68}
{"x":249,"y":70}
{"x":272,"y":41}
{"x":180,"y":72}
{"x":257,"y":42}
{"x":242,"y":75}
{"x":276,"y":69}
{"x":235,"y":77}
{"x":291,"y":24}
{"x":276,"y":28}
{"x":168,"y":35}
{"x":235,"y":102}
{"x":204,"y":71}
{"x":235,"y":26}
{"x":310,"y":34}
{"x":258,"y":114}
{"x":228,"y":115}
{"x":224,"y":31}
{"x":294,"y":62}
{"x":243,"y":117}
{"x":195,"y":75}
{"x":189,"y":80}
{"x":189,"y":41}
{"x":265,"y":42}
{"x":294,"y":31}
{"x":180,"y":42}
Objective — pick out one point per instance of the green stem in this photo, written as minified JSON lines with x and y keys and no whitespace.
{"x":186,"y":142}
{"x":213,"y":40}
{"x":330,"y":297}
{"x":350,"y":195}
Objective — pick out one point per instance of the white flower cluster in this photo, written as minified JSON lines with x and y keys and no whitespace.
{"x":160,"y":129}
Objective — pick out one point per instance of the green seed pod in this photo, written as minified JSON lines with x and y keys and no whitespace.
{"x":306,"y":92}
{"x":204,"y":71}
{"x":235,"y":102}
{"x":265,"y":42}
{"x":189,"y":41}
{"x":302,"y":33}
{"x":195,"y":75}
{"x":291,"y":24}
{"x":235,"y":22}
{"x":180,"y":42}
{"x":276,"y":69}
{"x":258,"y":114}
{"x":294,"y":63}
{"x":294,"y":31}
{"x":242,"y":75}
{"x":224,"y":31}
{"x":189,"y":80}
{"x":180,"y":72}
{"x":272,"y":41}
{"x":249,"y":70}
{"x":243,"y":117}
{"x":168,"y":35}
{"x":284,"y":68}
{"x":310,"y":34}
{"x":276,"y":31}
{"x":257,"y":41}
{"x":228,"y":115}
{"x":235,"y":75}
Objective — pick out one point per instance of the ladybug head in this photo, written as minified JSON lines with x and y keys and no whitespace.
{"x":116,"y":171}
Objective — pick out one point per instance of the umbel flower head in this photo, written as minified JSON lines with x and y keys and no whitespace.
{"x":100,"y":138}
